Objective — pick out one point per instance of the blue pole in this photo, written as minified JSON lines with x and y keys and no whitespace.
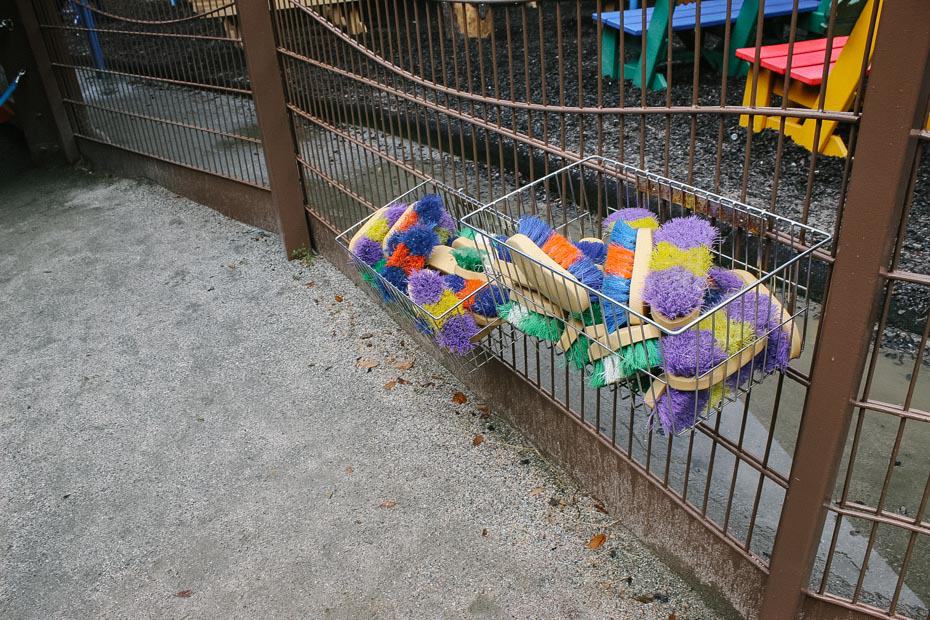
{"x":85,"y":17}
{"x":10,"y":88}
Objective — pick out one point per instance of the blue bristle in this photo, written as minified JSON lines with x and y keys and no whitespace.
{"x":624,"y":234}
{"x":535,"y":229}
{"x":586,"y":272}
{"x":487,"y":300}
{"x":429,"y":210}
{"x":503,"y":252}
{"x":454,"y":282}
{"x":595,"y":250}
{"x":419,"y":239}
{"x":614,"y":315}
{"x":396,"y":276}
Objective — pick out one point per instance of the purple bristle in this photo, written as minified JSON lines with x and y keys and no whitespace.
{"x":368,"y":251}
{"x":755,"y":309}
{"x":627,"y":215}
{"x":687,"y":232}
{"x":724,"y":283}
{"x":674,"y":292}
{"x":425,"y":286}
{"x":429,"y":210}
{"x":777,"y":354}
{"x":535,"y":229}
{"x":456,"y":334}
{"x":595,"y":250}
{"x":393,"y":213}
{"x":419,"y":239}
{"x":678,"y":409}
{"x":691,"y":353}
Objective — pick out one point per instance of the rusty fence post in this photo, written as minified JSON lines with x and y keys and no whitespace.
{"x":58,"y":125}
{"x":278,"y":140}
{"x":895,"y":103}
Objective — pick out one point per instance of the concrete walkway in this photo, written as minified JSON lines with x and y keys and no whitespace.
{"x":186,"y":433}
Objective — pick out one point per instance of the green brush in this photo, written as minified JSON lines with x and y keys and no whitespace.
{"x":531,"y":323}
{"x":626,"y":363}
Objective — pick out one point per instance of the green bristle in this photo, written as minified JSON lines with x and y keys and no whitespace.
{"x":541,"y":326}
{"x":467,"y":232}
{"x":369,"y":276}
{"x":591,"y":316}
{"x":640,"y":356}
{"x":503,"y":310}
{"x":468,"y":258}
{"x":577,"y":354}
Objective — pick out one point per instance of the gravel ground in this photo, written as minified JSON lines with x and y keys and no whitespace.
{"x":188,"y":432}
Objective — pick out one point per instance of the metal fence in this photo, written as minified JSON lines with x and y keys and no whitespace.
{"x":813,"y":485}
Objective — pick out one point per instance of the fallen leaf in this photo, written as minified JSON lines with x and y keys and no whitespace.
{"x":673,"y":616}
{"x":402,"y":381}
{"x":184,"y":594}
{"x":387,"y":503}
{"x":597,"y":541}
{"x":403,"y":364}
{"x":599,"y":506}
{"x":365,"y":336}
{"x":366,"y":363}
{"x":459,"y":399}
{"x":485,"y":411}
{"x":390,"y":385}
{"x":478,"y":440}
{"x":310,"y":284}
{"x":349,"y":470}
{"x":536,"y":492}
{"x":338,"y":297}
{"x":427,"y":384}
{"x":644,"y":598}
{"x":484,"y":532}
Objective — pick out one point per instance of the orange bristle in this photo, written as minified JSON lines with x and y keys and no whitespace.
{"x":561,"y":250}
{"x":467,"y":292}
{"x":619,"y":261}
{"x":405,"y":260}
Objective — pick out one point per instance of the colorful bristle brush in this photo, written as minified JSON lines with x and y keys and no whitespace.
{"x":411,"y":248}
{"x":453,"y":328}
{"x":428,"y":212}
{"x":366,"y":243}
{"x":531,"y":323}
{"x":678,"y":277}
{"x":634,"y":348}
{"x":750,"y":333}
{"x":562,"y":251}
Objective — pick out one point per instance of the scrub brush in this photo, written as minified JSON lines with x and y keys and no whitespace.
{"x":456,"y":328}
{"x":410,"y":250}
{"x":531,"y":323}
{"x":562,"y":251}
{"x":366,"y":242}
{"x":428,"y":212}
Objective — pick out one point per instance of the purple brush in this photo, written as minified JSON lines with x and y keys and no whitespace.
{"x":368,"y":251}
{"x":425,"y":286}
{"x":456,"y":334}
{"x":687,"y":232}
{"x":678,"y":410}
{"x":627,"y":215}
{"x":691,"y":353}
{"x":674,"y":292}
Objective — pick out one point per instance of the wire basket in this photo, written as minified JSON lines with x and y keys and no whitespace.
{"x":682,"y":367}
{"x":399,"y":302}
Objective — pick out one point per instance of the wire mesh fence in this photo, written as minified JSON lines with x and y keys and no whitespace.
{"x":757,"y":102}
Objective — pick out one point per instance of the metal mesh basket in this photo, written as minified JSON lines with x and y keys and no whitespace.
{"x":487,"y":340}
{"x":681,"y":367}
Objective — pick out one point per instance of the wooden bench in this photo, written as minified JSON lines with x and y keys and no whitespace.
{"x":807,"y":59}
{"x":683,"y":19}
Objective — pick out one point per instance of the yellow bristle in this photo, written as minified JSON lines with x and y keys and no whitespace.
{"x":446,"y":301}
{"x":378,"y":230}
{"x":733,"y":336}
{"x":644,"y":222}
{"x":696,"y":260}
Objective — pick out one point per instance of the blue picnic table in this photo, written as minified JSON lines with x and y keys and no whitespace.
{"x":684,"y":18}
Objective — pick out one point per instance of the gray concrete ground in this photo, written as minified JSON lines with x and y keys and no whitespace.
{"x":186,"y":433}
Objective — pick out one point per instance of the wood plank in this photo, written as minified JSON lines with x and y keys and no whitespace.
{"x":713,"y":13}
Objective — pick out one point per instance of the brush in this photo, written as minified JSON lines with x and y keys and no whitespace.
{"x":593,"y":248}
{"x":452,"y":327}
{"x":560,"y":249}
{"x":636,"y":348}
{"x":366,"y":243}
{"x":411,"y":248}
{"x":428,"y":211}
{"x":678,"y":277}
{"x":531,"y":323}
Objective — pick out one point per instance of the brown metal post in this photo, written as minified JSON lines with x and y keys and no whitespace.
{"x":277,"y":137}
{"x":41,"y":84}
{"x":895,"y":102}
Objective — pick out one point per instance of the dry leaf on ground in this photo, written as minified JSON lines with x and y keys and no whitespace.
{"x":387,"y":503}
{"x":459,"y":399}
{"x":366,"y":363}
{"x":597,"y":541}
{"x":478,"y":440}
{"x":402,"y":364}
